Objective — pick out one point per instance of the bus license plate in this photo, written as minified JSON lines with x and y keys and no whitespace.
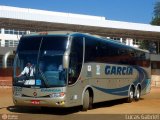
{"x":35,"y":102}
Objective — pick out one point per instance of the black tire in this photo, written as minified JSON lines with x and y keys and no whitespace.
{"x":86,"y":101}
{"x":137,"y":94}
{"x":130,"y":95}
{"x":90,"y":102}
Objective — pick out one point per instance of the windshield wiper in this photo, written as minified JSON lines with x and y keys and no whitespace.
{"x":43,"y":77}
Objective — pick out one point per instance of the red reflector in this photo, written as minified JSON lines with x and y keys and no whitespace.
{"x":36,"y":102}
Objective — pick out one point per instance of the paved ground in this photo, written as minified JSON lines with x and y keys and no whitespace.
{"x":149,"y":104}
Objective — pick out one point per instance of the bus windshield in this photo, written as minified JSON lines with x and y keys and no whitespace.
{"x":45,"y":54}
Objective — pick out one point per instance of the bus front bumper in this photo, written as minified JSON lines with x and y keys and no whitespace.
{"x":39,"y":102}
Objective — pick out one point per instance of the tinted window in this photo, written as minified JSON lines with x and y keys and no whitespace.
{"x":91,"y":49}
{"x":46,"y":56}
{"x":76,"y":59}
{"x":97,"y":50}
{"x":140,"y":58}
{"x":48,"y":43}
{"x":107,"y":53}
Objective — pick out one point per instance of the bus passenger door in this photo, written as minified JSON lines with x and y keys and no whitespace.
{"x":74,"y":72}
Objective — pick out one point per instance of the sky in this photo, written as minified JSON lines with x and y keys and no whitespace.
{"x":138,"y":11}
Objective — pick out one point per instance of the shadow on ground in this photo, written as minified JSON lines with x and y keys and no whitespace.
{"x":62,"y":111}
{"x":111,"y":103}
{"x":43,"y":110}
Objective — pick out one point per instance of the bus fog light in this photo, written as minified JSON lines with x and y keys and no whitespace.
{"x":55,"y":95}
{"x":60,"y":103}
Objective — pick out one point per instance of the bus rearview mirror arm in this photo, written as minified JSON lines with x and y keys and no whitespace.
{"x":65,"y":61}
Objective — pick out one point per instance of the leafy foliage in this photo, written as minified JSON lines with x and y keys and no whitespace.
{"x":144,"y":44}
{"x":157,"y":9}
{"x":156,"y":18}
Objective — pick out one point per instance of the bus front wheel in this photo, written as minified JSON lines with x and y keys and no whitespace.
{"x":86,"y":101}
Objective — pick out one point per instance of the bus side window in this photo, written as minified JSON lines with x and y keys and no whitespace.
{"x":76,"y":59}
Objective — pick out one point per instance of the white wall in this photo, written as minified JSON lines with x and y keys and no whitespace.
{"x":4,"y":37}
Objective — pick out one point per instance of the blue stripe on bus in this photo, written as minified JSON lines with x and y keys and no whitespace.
{"x":123,"y":91}
{"x":143,"y":77}
{"x":119,"y":91}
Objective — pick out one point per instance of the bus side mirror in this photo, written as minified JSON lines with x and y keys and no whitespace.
{"x":65,"y":61}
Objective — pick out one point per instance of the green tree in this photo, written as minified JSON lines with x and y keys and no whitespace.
{"x":150,"y":45}
{"x":144,"y":44}
{"x":157,"y":9}
{"x":155,"y":21}
{"x":156,"y":17}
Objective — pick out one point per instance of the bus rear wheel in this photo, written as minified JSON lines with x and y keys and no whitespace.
{"x":86,"y":101}
{"x":131,"y":95}
{"x":138,"y":94}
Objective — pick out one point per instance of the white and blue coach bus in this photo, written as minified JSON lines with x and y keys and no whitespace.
{"x":77,"y":69}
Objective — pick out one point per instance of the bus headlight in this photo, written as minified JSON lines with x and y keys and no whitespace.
{"x":56,"y":95}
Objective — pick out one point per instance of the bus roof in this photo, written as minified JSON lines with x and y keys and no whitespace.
{"x":71,"y":33}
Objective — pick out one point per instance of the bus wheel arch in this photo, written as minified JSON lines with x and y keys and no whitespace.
{"x":131,"y":92}
{"x":138,"y":92}
{"x":87,"y":98}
